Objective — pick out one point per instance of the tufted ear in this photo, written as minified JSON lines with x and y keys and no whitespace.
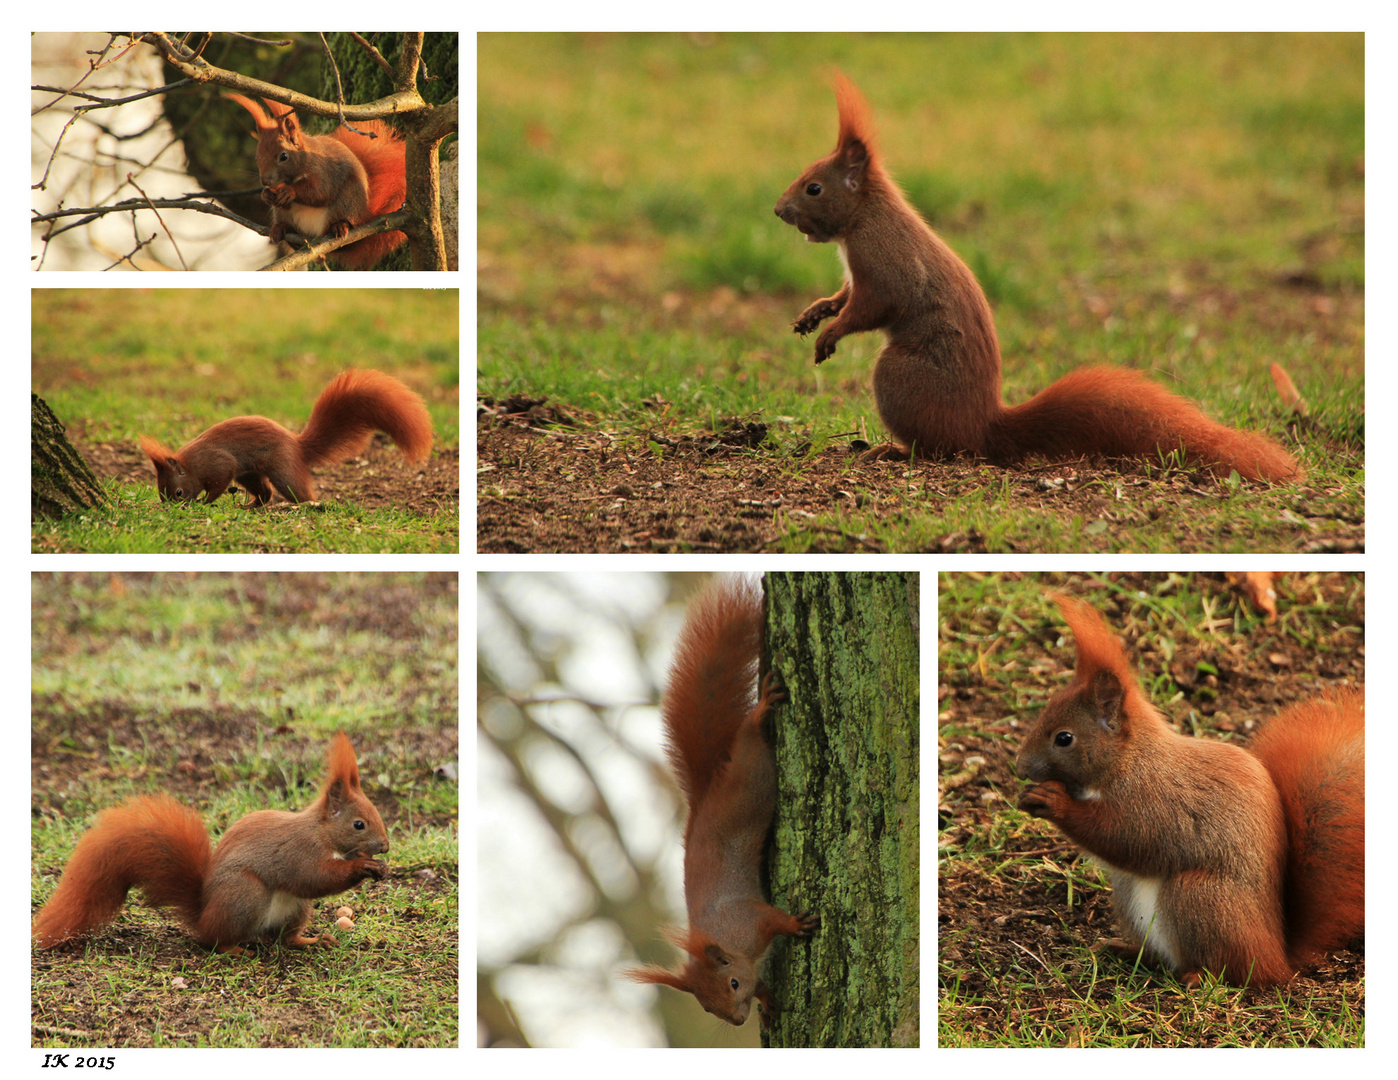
{"x":1103,"y":670}
{"x":652,"y":974}
{"x":260,"y":118}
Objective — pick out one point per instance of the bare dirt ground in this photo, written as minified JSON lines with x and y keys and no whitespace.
{"x":546,"y":484}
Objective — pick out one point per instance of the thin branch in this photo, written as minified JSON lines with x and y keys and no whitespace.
{"x":374,"y":53}
{"x":335,"y":70}
{"x":92,"y":213}
{"x":101,"y":102}
{"x":171,"y":236}
{"x":284,"y":42}
{"x":130,"y":257}
{"x":400,"y":101}
{"x":325,"y":245}
{"x":42,"y":185}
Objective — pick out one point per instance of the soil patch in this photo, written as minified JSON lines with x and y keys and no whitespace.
{"x":546,"y":486}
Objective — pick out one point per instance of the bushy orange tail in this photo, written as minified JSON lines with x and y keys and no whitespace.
{"x":384,"y":161}
{"x":1118,"y":412}
{"x":358,"y":403}
{"x":152,"y":843}
{"x":1315,"y":754}
{"x":713,"y":681}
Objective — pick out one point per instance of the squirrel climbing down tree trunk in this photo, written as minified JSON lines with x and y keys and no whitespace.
{"x":937,"y":380}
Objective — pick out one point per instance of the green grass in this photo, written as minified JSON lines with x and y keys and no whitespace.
{"x":135,"y":521}
{"x":223,"y":690}
{"x":1192,"y":205}
{"x":114,"y":364}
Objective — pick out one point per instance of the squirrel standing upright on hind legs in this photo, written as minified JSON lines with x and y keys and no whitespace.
{"x":937,"y":380}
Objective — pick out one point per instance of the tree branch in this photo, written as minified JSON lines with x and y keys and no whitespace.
{"x":199,"y":70}
{"x":324,"y":245}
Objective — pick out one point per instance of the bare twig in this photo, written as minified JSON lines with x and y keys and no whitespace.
{"x":400,"y":101}
{"x":153,"y":209}
{"x":335,"y":70}
{"x":93,"y":212}
{"x":101,"y":102}
{"x":323,"y":245}
{"x":282,"y":42}
{"x":374,"y":53}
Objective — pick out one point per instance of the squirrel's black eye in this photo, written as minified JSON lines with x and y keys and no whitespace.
{"x":359,"y":824}
{"x":733,"y":983}
{"x":812,"y":189}
{"x":1063,"y":738}
{"x":283,"y":156}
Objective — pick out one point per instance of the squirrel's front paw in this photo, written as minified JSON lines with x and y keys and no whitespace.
{"x":1044,"y":800}
{"x":814,"y":315}
{"x":278,"y":195}
{"x":772,"y":689}
{"x":808,"y":923}
{"x":825,"y":345}
{"x":374,"y":868}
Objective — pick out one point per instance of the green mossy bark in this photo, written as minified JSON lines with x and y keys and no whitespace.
{"x":846,"y":835}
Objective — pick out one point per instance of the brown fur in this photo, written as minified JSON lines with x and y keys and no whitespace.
{"x":937,"y":381}
{"x":1206,"y":828}
{"x":714,"y":726}
{"x":259,"y":454}
{"x":258,"y":884}
{"x":325,"y":185}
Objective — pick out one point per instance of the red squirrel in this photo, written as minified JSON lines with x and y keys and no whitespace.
{"x":714,"y":721}
{"x":259,"y":454}
{"x":257,"y":885}
{"x":1245,"y":863}
{"x":324,"y":185}
{"x":937,"y":380}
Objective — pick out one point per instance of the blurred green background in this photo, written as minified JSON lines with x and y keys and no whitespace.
{"x":1192,"y":204}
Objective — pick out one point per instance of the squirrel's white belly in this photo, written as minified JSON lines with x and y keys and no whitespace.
{"x":283,"y":908}
{"x":308,"y":220}
{"x":1138,"y":906}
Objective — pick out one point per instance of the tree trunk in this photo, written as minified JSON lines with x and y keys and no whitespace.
{"x":846,"y":835}
{"x":60,"y":481}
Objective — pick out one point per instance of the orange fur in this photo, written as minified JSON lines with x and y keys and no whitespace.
{"x":1315,"y":753}
{"x":325,"y":185}
{"x":259,"y":883}
{"x":714,"y":720}
{"x":1249,"y":864}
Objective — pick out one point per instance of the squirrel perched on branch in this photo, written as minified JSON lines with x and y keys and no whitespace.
{"x":324,"y":185}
